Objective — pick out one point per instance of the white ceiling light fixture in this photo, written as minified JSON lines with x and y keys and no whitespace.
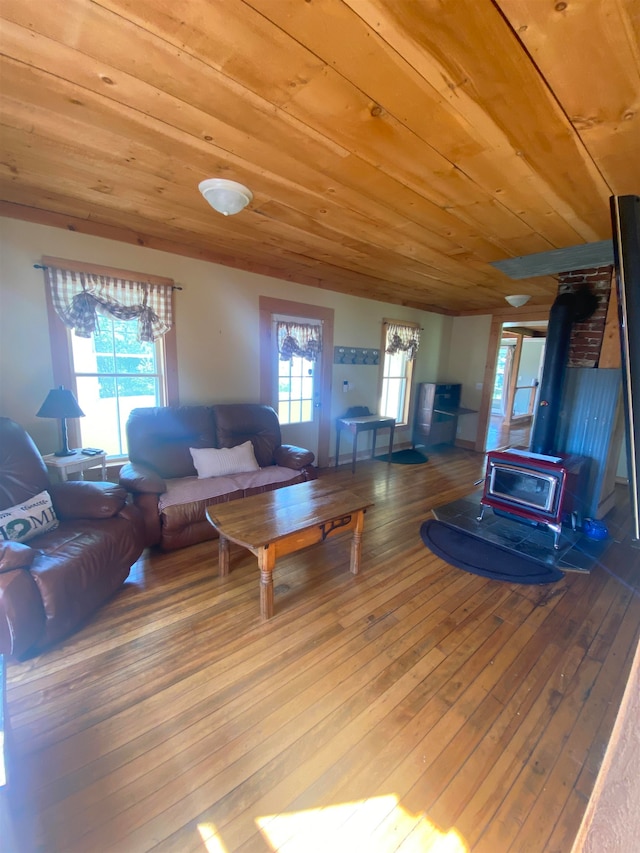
{"x":518,"y":300}
{"x":227,"y":197}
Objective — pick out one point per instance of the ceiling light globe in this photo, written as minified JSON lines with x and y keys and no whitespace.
{"x":518,"y":300}
{"x":227,"y":197}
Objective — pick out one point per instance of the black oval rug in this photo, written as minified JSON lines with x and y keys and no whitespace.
{"x":475,"y":555}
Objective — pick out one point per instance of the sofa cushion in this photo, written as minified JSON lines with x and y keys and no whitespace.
{"x":235,"y":423}
{"x":23,"y":473}
{"x":271,"y":476}
{"x":220,"y":462}
{"x":161,"y":437}
{"x":28,"y":519}
{"x":188,"y":489}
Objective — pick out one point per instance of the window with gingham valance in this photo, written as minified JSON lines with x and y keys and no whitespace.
{"x":80,"y":297}
{"x":301,"y":339}
{"x":402,"y":338}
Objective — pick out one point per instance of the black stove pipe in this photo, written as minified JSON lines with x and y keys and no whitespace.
{"x":567,"y":308}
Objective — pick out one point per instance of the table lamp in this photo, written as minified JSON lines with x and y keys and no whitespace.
{"x":61,"y":403}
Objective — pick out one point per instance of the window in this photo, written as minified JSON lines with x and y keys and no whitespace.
{"x":400,"y":344}
{"x":298,"y":347}
{"x":113,"y":344}
{"x":114,"y":373}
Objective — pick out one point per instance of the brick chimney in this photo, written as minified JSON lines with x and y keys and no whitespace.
{"x":587,"y":336}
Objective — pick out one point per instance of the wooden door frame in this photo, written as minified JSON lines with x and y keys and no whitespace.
{"x":495,"y":335}
{"x":269,"y":306}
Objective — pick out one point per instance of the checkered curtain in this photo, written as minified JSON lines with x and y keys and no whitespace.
{"x":301,"y":339}
{"x":402,"y":338}
{"x":79,"y":298}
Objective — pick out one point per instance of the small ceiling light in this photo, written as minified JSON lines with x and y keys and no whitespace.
{"x":227,"y":197}
{"x":518,"y":300}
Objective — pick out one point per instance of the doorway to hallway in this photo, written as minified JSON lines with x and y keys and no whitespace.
{"x":517,"y":374}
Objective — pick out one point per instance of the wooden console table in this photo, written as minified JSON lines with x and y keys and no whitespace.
{"x":363,"y":424}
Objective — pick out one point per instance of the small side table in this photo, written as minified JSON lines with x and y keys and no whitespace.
{"x":76,"y":464}
{"x":363,"y":424}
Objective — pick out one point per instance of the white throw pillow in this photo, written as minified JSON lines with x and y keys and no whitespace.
{"x":26,"y":520}
{"x":220,"y":462}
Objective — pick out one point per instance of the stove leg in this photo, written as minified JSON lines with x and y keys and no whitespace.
{"x":481,"y":516}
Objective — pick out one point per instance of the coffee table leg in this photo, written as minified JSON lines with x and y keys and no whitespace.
{"x":356,"y":543}
{"x":266,"y":562}
{"x":223,"y":556}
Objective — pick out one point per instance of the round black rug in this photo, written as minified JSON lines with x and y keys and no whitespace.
{"x":404,"y":457}
{"x":475,"y":555}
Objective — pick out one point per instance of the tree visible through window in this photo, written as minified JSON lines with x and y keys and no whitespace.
{"x":115,"y":373}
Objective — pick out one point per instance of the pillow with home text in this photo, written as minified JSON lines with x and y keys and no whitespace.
{"x":28,"y":519}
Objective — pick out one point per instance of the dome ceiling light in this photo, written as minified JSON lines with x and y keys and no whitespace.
{"x":227,"y":197}
{"x":518,"y":300}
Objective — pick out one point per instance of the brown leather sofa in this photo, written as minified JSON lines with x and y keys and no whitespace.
{"x":163,"y":480}
{"x":51,"y":583}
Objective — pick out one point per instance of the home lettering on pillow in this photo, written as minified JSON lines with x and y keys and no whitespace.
{"x":28,"y":519}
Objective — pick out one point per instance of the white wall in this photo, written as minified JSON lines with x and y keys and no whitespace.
{"x":465,"y":363}
{"x":217,"y":309}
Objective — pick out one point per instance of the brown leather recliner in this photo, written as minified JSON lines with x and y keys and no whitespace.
{"x":51,"y":583}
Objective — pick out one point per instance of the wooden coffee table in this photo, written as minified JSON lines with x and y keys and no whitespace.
{"x":288,"y":519}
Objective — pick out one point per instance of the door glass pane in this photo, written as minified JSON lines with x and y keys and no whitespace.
{"x":295,"y":390}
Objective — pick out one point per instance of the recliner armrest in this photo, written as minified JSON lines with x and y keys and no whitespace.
{"x":290,"y":456}
{"x":15,"y":555}
{"x":80,"y":499}
{"x":140,"y":478}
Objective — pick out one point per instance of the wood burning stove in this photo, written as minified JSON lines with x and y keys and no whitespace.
{"x":534,"y":487}
{"x":537,"y":485}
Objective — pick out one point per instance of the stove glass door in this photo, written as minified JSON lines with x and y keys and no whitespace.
{"x":523,"y":487}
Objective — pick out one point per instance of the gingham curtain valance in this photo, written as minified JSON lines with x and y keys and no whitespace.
{"x":402,"y":338}
{"x":301,"y":339}
{"x":79,"y":297}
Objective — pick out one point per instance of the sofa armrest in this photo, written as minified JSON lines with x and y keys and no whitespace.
{"x":140,"y":478}
{"x":80,"y":499}
{"x":290,"y":456}
{"x":22,"y":617}
{"x":15,"y":555}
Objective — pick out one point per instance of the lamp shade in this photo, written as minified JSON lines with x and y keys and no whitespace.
{"x":60,"y":403}
{"x":518,"y":300}
{"x":227,"y":197}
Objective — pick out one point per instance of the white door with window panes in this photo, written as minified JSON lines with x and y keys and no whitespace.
{"x":297,"y":374}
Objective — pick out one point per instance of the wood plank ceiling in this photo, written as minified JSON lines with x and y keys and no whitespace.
{"x":394,"y":147}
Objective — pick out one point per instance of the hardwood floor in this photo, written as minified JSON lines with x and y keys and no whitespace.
{"x":501,"y":435}
{"x":412,"y":707}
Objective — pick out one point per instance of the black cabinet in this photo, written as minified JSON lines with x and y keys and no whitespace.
{"x":436,"y":413}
